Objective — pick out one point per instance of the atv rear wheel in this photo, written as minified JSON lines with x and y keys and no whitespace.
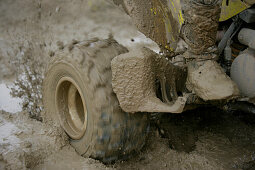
{"x":77,"y":94}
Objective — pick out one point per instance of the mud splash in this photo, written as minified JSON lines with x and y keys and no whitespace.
{"x":24,"y":142}
{"x":193,"y":140}
{"x":206,"y":138}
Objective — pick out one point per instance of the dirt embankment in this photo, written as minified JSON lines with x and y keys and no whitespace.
{"x":201,"y":139}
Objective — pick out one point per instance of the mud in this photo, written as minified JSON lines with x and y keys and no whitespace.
{"x":138,"y":71}
{"x":7,"y":102}
{"x":209,"y":81}
{"x":201,"y":139}
{"x":201,"y":24}
{"x":23,"y":141}
{"x":205,"y":138}
{"x":155,"y":21}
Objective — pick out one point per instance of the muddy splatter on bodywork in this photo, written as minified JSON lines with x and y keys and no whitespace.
{"x":160,"y":20}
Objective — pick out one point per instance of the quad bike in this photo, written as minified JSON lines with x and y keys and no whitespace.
{"x":100,"y":93}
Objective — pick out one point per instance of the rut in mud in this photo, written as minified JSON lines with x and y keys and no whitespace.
{"x":210,"y":140}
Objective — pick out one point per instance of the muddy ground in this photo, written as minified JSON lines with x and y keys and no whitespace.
{"x":30,"y":31}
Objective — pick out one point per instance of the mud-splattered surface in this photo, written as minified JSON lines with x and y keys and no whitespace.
{"x":201,"y":139}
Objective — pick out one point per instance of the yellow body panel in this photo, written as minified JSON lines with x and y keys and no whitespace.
{"x":175,"y":7}
{"x":231,"y":9}
{"x":176,"y":12}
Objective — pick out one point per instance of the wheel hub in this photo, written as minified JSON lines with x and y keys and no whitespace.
{"x":71,"y":108}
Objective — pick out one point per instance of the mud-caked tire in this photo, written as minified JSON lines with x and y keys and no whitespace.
{"x":78,"y":95}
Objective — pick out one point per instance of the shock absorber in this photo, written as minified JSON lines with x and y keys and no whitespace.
{"x":228,"y":56}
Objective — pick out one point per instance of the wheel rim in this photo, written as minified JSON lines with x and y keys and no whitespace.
{"x":71,"y":108}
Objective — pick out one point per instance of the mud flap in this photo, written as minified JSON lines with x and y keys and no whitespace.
{"x":133,"y":80}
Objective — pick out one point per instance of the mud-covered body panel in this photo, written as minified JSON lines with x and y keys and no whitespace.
{"x":163,"y":20}
{"x":160,"y":20}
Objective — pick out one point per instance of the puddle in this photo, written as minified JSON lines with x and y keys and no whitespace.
{"x":7,"y":102}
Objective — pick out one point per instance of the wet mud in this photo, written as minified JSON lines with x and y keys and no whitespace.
{"x":205,"y":138}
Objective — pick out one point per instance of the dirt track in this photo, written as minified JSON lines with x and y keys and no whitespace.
{"x":201,"y":139}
